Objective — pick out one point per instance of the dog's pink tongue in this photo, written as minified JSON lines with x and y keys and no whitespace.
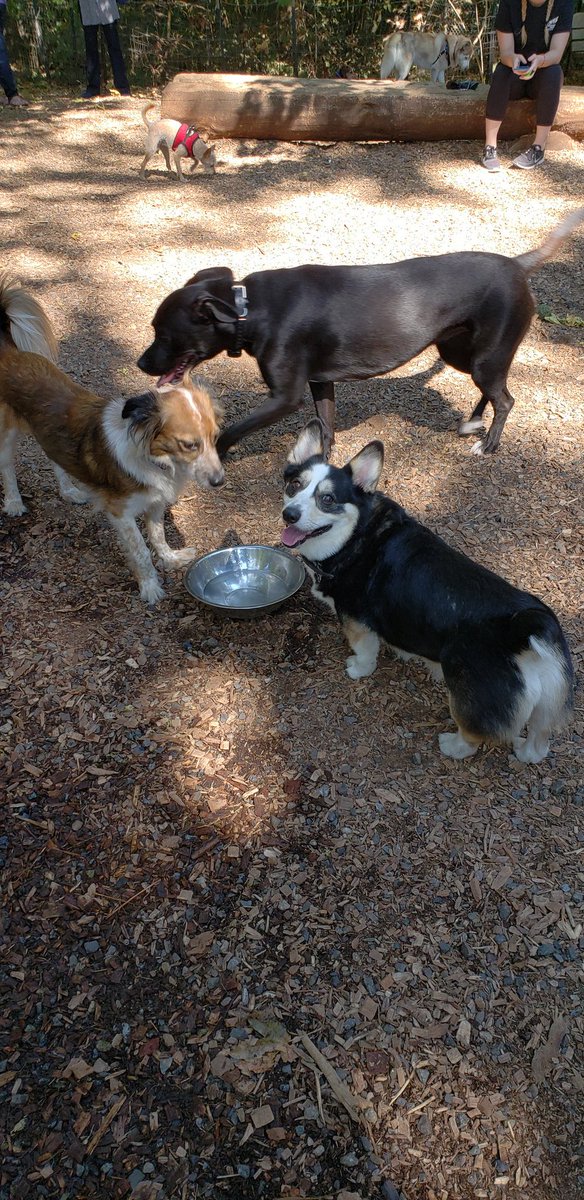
{"x":168,"y":378}
{"x":291,"y":536}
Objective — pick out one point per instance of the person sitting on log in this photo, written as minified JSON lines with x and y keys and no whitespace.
{"x":532,"y":36}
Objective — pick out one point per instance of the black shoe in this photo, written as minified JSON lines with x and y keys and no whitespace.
{"x":88,"y":95}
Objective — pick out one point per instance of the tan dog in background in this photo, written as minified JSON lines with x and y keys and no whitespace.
{"x":433,"y":52}
{"x":162,"y":136}
{"x":129,"y":457}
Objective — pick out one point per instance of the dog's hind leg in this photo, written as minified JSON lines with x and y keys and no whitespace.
{"x":68,"y":489}
{"x":323,"y":395}
{"x":546,"y":703}
{"x":502,"y":403}
{"x":456,"y":351}
{"x":14,"y":505}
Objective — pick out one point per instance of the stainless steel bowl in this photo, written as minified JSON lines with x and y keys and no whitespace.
{"x":245,"y":581}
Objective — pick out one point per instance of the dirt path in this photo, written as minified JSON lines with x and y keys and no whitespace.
{"x":214,"y":842}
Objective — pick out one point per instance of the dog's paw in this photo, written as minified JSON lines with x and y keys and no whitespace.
{"x":359,"y":668}
{"x":454,"y":745}
{"x":151,"y":590}
{"x":74,"y":495}
{"x":15,"y":507}
{"x":478,"y":449}
{"x":474,"y":425}
{"x":175,"y":559}
{"x":528,"y":751}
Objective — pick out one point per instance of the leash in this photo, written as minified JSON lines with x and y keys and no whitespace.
{"x":443,"y":50}
{"x":240,"y":301}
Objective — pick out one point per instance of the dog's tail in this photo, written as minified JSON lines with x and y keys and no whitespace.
{"x":145,"y":110}
{"x":533,"y":260}
{"x":24,"y":322}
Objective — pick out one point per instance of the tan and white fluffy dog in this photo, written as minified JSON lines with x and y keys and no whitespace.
{"x":162,"y":135}
{"x":129,"y":457}
{"x":433,"y":52}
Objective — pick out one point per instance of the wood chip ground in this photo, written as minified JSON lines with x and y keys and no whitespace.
{"x":259,"y":938}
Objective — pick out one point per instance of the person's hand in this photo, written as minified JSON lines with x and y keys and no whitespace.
{"x":537,"y":61}
{"x":523,"y":68}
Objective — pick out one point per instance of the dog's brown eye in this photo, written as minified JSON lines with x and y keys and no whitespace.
{"x":327,"y":500}
{"x":190,"y":445}
{"x":293,"y":487}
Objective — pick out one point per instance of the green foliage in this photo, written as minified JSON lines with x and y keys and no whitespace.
{"x":161,"y":37}
{"x":570,"y":321}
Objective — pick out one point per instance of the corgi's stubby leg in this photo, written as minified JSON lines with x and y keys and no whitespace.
{"x":171,"y":559}
{"x":365,"y":646}
{"x":532,"y":749}
{"x":68,"y":489}
{"x":166,"y":152}
{"x":13,"y":505}
{"x":144,"y":164}
{"x":138,"y":556}
{"x":455,"y":745}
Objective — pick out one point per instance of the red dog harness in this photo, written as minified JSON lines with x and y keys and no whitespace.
{"x":186,"y":136}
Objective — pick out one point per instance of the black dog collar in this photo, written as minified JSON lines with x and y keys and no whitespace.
{"x":240,"y":300}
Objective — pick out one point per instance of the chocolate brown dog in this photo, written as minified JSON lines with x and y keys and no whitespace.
{"x":320,"y":324}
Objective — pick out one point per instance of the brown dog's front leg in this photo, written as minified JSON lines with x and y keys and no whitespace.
{"x":323,"y":395}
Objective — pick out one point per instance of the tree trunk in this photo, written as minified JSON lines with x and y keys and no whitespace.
{"x":277,"y":107}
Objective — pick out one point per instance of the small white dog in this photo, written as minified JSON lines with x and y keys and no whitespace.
{"x":182,"y":139}
{"x":433,"y":52}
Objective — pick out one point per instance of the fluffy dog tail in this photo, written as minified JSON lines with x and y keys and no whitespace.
{"x":24,"y":322}
{"x":145,"y":110}
{"x":533,"y":260}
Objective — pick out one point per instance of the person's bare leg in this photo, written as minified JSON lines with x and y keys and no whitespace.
{"x":492,"y":132}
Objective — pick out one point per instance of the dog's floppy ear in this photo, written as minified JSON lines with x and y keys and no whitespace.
{"x":139,"y":409}
{"x":215,"y":306}
{"x":366,"y":466}
{"x":310,"y":444}
{"x":211,"y":273}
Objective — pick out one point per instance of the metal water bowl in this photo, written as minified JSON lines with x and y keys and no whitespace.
{"x":245,"y":581}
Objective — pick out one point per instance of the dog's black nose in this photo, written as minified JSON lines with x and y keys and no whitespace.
{"x":217,"y":480}
{"x":144,"y":365}
{"x":291,"y":514}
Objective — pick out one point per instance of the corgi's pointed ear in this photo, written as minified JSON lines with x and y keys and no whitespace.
{"x":366,"y":466}
{"x":309,"y":444}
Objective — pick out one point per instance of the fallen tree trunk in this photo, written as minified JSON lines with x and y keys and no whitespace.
{"x":277,"y":107}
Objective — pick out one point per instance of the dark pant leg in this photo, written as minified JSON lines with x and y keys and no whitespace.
{"x":92,"y":63}
{"x":505,"y":86}
{"x":6,"y":76}
{"x":544,"y":89}
{"x":112,"y":40}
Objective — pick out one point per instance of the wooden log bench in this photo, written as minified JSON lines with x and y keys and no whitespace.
{"x":285,"y":109}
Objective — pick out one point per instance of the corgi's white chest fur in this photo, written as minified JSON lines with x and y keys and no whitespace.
{"x":316,"y":590}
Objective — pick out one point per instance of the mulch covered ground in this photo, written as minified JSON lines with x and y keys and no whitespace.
{"x":259,"y":938}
